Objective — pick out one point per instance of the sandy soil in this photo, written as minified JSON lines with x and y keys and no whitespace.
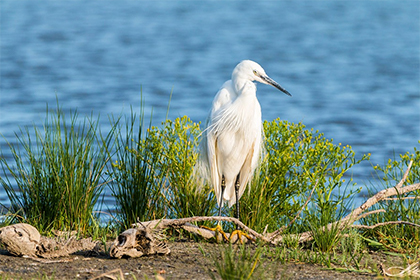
{"x":185,"y":262}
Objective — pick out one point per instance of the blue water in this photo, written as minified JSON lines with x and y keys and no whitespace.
{"x":352,"y":66}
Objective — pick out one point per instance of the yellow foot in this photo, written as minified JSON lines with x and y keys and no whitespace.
{"x":218,"y":230}
{"x":239,"y":233}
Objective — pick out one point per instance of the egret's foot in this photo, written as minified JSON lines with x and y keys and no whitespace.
{"x":218,"y":230}
{"x":239,"y":233}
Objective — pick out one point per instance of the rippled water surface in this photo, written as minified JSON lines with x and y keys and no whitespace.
{"x":352,"y":66}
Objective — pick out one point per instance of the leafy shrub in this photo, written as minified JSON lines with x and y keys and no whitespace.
{"x":178,"y":140}
{"x":295,"y":159}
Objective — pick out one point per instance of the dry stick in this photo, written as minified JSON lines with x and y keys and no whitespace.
{"x":412,"y":270}
{"x":109,"y":275}
{"x":306,"y":236}
{"x":370,"y":213}
{"x":41,"y":260}
{"x":304,"y":205}
{"x":164,"y":223}
{"x":386,"y":223}
{"x":401,"y":198}
{"x":280,"y":230}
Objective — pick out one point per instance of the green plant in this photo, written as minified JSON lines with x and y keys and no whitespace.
{"x":291,"y":241}
{"x":325,"y":232}
{"x":136,"y":179}
{"x":352,"y":250}
{"x":404,"y":207}
{"x":153,"y":172}
{"x":178,"y":142}
{"x":236,"y":262}
{"x":58,"y":174}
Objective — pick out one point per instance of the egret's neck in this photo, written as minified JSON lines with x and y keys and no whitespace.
{"x":243,"y":85}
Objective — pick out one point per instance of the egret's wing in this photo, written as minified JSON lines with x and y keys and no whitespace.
{"x":251,"y":163}
{"x":222,"y":98}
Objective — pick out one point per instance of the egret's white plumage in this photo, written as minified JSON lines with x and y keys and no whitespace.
{"x":232,"y":141}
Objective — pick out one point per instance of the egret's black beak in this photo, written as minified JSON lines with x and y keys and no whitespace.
{"x":270,"y":81}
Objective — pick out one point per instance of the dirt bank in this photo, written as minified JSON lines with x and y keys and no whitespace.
{"x":185,"y":262}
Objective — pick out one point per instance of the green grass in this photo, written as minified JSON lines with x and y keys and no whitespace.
{"x":397,"y":238}
{"x":58,"y":172}
{"x":236,"y":262}
{"x":136,"y":181}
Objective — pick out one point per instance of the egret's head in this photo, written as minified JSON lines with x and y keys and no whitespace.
{"x":252,"y":71}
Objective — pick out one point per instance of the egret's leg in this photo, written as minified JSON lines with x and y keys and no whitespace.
{"x":238,"y":232}
{"x":237,"y":198}
{"x":218,"y":228}
{"x":223,"y":185}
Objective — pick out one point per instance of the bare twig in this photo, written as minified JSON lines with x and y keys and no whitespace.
{"x":41,"y":260}
{"x":357,"y":213}
{"x":411,"y":270}
{"x":110,"y":276}
{"x":400,"y":184}
{"x":370,"y":213}
{"x":275,"y":237}
{"x":402,"y":198}
{"x":386,"y":223}
{"x":304,"y":205}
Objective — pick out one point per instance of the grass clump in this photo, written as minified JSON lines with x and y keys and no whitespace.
{"x":236,"y":262}
{"x":136,"y":181}
{"x":325,"y":237}
{"x":397,"y":238}
{"x":58,"y":173}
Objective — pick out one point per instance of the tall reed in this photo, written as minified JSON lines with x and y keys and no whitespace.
{"x":56,"y":178}
{"x":136,"y":179}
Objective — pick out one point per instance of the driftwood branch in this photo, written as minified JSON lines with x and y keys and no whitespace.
{"x":276,"y":237}
{"x":401,"y":198}
{"x":370,"y":213}
{"x":186,"y":223}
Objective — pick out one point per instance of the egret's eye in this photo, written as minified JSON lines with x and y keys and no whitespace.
{"x":255,"y":72}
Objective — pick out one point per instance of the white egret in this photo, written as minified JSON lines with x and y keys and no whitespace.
{"x":232,"y":141}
